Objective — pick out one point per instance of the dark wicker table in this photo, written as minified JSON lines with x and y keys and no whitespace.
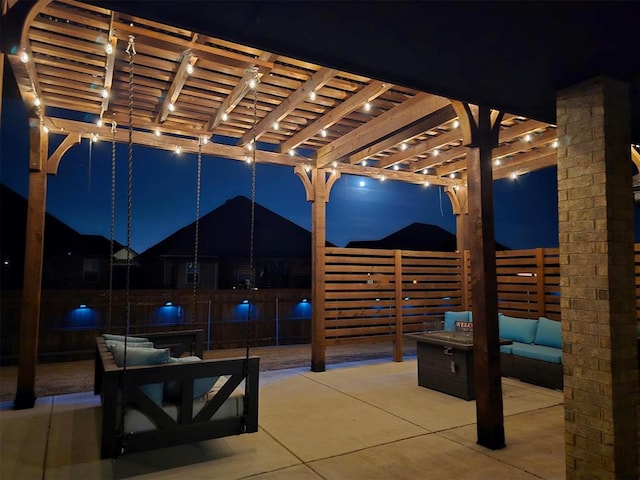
{"x":445,"y":362}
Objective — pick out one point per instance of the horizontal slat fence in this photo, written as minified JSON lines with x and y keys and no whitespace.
{"x":372,"y":295}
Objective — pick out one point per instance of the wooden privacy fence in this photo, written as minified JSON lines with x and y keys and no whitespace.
{"x":377,"y":295}
{"x":70,"y":320}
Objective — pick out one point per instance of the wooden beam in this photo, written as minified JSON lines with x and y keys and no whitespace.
{"x":237,"y":94}
{"x":422,"y":147}
{"x":289,"y":104}
{"x":408,"y":177}
{"x":63,"y":126}
{"x":429,"y":123}
{"x":635,"y":156}
{"x":523,"y":145}
{"x":368,"y":93}
{"x":108,"y":74}
{"x":180,"y":78}
{"x":413,"y":109}
{"x":32,"y":281}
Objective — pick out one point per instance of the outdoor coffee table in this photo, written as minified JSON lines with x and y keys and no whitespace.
{"x":445,"y":362}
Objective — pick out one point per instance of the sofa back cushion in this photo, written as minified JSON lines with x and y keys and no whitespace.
{"x":549,"y":333}
{"x":201,"y":386}
{"x":143,"y":356}
{"x":120,"y":338}
{"x":450,"y":319}
{"x":517,"y":329}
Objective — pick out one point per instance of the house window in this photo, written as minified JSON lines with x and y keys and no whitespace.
{"x":90,"y":270}
{"x":192,"y":273}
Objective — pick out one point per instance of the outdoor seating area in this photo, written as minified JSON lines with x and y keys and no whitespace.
{"x":366,"y":419}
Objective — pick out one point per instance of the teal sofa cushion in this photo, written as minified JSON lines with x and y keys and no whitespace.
{"x":538,"y":352}
{"x":450,"y":319}
{"x":549,"y":333}
{"x":506,"y":349}
{"x":112,"y":343}
{"x":517,"y":329}
{"x":200,"y":385}
{"x":143,"y":356}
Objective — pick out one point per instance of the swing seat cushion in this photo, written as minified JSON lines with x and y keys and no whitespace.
{"x":201,"y":386}
{"x":143,"y":356}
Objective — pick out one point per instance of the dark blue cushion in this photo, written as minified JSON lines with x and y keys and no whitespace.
{"x":517,"y":329}
{"x":450,"y":319}
{"x":200,"y":385}
{"x":538,"y":352}
{"x":549,"y":333}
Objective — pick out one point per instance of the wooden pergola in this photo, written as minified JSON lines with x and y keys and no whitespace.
{"x":77,"y":61}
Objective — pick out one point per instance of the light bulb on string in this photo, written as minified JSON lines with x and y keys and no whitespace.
{"x":225,"y":117}
{"x":108,"y":49}
{"x":189,"y":69}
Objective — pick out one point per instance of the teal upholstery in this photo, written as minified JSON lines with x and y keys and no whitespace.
{"x":517,"y":329}
{"x":538,"y":352}
{"x":549,"y":333}
{"x":143,"y":356}
{"x":450,"y":319}
{"x":112,"y":343}
{"x":506,"y":349}
{"x":200,"y":385}
{"x":120,"y":338}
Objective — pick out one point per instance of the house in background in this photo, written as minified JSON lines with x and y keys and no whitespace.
{"x":282,"y":251}
{"x":417,"y":236}
{"x":71,"y":259}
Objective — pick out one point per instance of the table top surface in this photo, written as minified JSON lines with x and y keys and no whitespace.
{"x":463,"y":340}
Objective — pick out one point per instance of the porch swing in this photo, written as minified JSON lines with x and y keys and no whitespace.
{"x":149,"y":398}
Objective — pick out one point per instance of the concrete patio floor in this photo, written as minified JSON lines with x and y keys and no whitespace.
{"x":361,"y":420}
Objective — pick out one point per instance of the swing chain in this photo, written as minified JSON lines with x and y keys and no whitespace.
{"x":113,"y":221}
{"x":196,"y":269}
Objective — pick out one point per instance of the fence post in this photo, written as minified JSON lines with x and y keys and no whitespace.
{"x":397,"y":344}
{"x":464,"y":284}
{"x":540,"y":282}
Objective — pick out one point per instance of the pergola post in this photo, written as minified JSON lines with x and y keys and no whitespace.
{"x":32,"y":282}
{"x":317,"y":189}
{"x":595,"y":214}
{"x":480,"y":126}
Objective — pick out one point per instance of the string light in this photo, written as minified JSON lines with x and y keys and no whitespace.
{"x":367,"y":107}
{"x":455,"y":124}
{"x":108,"y":48}
{"x":292,"y":152}
{"x":172,"y":107}
{"x":335,"y":164}
{"x":554,"y":144}
{"x":312,"y":96}
{"x":527,"y":137}
{"x":99,"y":122}
{"x":362,"y":184}
{"x":364,"y":162}
{"x":426,"y":183}
{"x":24,"y":56}
{"x":436,"y":152}
{"x":323,"y":133}
{"x":425,"y":171}
{"x":276,"y":126}
{"x":94,"y":138}
{"x":403,"y":146}
{"x":514,"y":175}
{"x":497,"y":162}
{"x":396,"y":167}
{"x":225,"y":117}
{"x":104,"y":93}
{"x":178,"y":149}
{"x":37,"y":101}
{"x":247,"y":159}
{"x":452,"y":175}
{"x":157,"y":132}
{"x":189,"y":68}
{"x":45,"y":129}
{"x":253,"y":84}
{"x":382,"y":178}
{"x":204,"y":139}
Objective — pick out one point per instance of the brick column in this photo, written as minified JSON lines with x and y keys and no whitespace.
{"x":595,"y":205}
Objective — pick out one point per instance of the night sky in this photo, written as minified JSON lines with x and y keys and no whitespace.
{"x":164,"y":194}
